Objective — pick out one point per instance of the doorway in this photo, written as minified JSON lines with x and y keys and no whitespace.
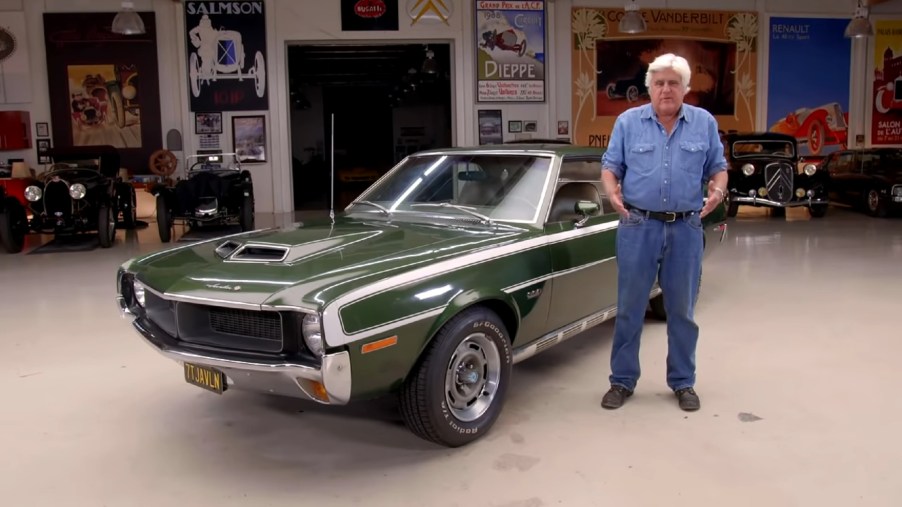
{"x":387,"y":100}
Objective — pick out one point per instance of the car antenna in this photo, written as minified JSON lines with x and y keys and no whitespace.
{"x":332,"y":172}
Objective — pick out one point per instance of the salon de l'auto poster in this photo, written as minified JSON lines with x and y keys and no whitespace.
{"x":227,"y":63}
{"x":814,"y":112}
{"x":886,"y":105}
{"x":510,"y":50}
{"x":608,"y":67}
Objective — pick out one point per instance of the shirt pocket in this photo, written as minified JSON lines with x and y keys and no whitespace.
{"x":692,"y":156}
{"x":642,"y":158}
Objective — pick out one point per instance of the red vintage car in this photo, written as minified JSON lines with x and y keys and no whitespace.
{"x":821,"y":126}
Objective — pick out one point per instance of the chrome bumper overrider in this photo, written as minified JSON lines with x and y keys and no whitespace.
{"x":768,"y":202}
{"x":260,"y":375}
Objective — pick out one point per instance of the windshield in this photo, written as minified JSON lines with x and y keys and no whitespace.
{"x":500,"y":187}
{"x":758,"y":148}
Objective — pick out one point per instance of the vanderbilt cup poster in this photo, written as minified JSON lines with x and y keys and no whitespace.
{"x":816,"y":115}
{"x":886,"y":113}
{"x":226,"y":43}
{"x":510,"y":51}
{"x":608,"y":67}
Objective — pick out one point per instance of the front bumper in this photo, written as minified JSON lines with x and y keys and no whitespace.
{"x":760,"y":201}
{"x":328,"y":384}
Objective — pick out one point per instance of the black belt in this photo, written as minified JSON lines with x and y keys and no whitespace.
{"x":664,"y":216}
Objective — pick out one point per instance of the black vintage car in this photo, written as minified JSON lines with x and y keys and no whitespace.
{"x":868,"y":179}
{"x":80,"y":193}
{"x":216,"y":191}
{"x":765,"y":170}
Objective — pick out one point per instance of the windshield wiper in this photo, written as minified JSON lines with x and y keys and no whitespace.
{"x":465,"y":209}
{"x":380,"y":207}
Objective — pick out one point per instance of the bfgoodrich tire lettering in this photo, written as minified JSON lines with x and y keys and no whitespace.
{"x":456,"y":391}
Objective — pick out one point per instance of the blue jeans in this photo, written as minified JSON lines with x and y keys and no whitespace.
{"x":671,"y":252}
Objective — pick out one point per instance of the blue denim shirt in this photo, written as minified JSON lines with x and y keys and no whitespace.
{"x":661,"y":173}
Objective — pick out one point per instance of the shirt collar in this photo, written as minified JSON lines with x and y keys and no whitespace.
{"x":648,"y":112}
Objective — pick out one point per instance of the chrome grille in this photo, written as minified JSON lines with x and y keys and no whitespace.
{"x":778,"y":179}
{"x":264,"y":325}
{"x":56,"y":198}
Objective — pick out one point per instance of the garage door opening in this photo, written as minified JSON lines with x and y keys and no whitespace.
{"x":388,"y":100}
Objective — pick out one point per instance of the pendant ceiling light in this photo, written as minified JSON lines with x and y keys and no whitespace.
{"x":632,"y":21}
{"x":127,"y":21}
{"x":859,"y":26}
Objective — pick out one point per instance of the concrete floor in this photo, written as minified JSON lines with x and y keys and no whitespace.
{"x":798,"y":370}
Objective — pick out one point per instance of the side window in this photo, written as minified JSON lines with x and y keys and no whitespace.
{"x":843,"y":164}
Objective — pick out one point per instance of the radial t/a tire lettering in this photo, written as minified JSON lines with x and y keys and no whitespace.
{"x":457,"y":389}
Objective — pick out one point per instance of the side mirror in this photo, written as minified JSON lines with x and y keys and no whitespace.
{"x":587,"y":208}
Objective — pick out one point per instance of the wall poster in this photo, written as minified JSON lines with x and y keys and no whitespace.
{"x":510,"y":51}
{"x":816,"y":114}
{"x":103,"y":87}
{"x":608,"y":66}
{"x":226,"y":43}
{"x":886,"y":113}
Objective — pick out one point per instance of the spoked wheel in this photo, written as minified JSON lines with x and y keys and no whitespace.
{"x":194,"y":72}
{"x":259,"y":74}
{"x":456,"y":392}
{"x":13,"y":226}
{"x":876,"y":204}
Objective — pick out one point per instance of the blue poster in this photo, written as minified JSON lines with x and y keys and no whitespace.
{"x":510,"y":50}
{"x":808,"y":82}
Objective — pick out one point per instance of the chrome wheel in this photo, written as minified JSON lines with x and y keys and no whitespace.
{"x":873,"y":201}
{"x":472,"y":377}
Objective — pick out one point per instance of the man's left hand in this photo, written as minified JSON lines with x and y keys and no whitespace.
{"x":714,"y":199}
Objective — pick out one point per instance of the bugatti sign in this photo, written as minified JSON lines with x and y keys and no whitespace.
{"x":369,"y":15}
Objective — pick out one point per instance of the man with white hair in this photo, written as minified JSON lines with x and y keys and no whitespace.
{"x":654,"y":169}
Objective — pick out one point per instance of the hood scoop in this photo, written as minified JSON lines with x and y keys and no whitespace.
{"x":250,"y":252}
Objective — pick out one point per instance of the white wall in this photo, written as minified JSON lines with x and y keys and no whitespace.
{"x":291,"y":21}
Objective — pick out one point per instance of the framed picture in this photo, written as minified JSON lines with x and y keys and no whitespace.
{"x":42,"y":129}
{"x":208,"y":123}
{"x":249,"y":138}
{"x":489,"y":123}
{"x":563,"y":128}
{"x":530,"y":126}
{"x":43,"y":148}
{"x":514,"y":126}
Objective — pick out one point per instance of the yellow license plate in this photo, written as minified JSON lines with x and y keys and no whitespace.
{"x":202,"y":376}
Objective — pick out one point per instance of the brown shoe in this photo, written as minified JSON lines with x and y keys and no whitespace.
{"x":688,"y":399}
{"x":615,"y":397}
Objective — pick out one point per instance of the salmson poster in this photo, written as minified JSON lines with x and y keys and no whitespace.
{"x":510,"y":51}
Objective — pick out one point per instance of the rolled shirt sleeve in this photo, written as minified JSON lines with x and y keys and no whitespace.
{"x":715,"y":162}
{"x":613,"y":157}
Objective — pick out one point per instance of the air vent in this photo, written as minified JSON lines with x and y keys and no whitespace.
{"x":225,"y":249}
{"x":260,"y":253}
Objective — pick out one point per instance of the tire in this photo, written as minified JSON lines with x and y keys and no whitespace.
{"x":13,"y":226}
{"x":632,"y":93}
{"x":164,"y":222}
{"x":732,"y":207}
{"x":247,"y":214}
{"x":436,"y":404}
{"x":817,"y":210}
{"x":875,"y":204}
{"x":130,"y":210}
{"x":106,"y":226}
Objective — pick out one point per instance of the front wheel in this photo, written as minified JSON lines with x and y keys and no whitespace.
{"x":817,"y":210}
{"x":456,"y":391}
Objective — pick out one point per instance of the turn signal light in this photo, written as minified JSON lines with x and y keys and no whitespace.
{"x":319,"y":390}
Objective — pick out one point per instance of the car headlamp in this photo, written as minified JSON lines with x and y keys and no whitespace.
{"x":810,"y":169}
{"x":139,"y":290}
{"x":312,"y":330}
{"x":33,"y":193}
{"x":77,"y":191}
{"x":748,"y":169}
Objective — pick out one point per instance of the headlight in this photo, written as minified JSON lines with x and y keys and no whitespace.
{"x":33,"y":193}
{"x":77,"y":191}
{"x":139,"y":293}
{"x":810,"y":169}
{"x":312,"y":330}
{"x":748,"y":169}
{"x":897,"y":190}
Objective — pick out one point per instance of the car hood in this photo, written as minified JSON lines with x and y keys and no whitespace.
{"x":307,"y":265}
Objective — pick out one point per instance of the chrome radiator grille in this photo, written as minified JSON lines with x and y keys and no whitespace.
{"x":56,"y":198}
{"x":778,"y":178}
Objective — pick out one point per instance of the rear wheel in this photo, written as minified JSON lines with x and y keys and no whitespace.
{"x":164,"y":221}
{"x":875,"y":204}
{"x":456,"y":391}
{"x":247,"y":214}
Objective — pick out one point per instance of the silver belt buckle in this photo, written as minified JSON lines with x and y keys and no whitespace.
{"x":673,"y":214}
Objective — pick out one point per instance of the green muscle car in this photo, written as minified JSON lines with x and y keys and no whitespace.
{"x":449,"y":269}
